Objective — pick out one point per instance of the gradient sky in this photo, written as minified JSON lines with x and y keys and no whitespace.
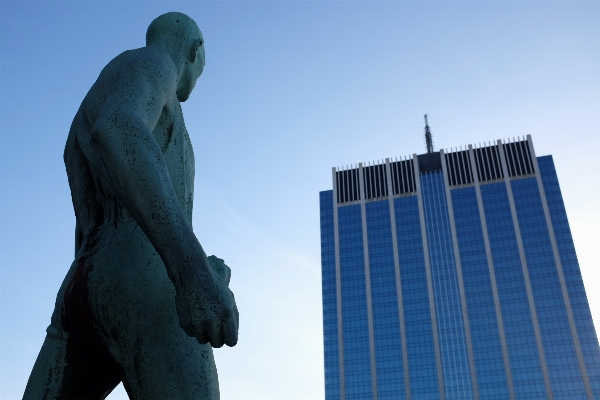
{"x":290,"y":90}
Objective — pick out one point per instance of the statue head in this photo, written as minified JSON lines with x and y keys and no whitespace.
{"x":179,"y":35}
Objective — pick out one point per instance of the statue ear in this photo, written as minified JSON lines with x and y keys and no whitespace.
{"x":194,"y":50}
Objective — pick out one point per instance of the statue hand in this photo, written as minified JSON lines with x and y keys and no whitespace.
{"x":207,"y":311}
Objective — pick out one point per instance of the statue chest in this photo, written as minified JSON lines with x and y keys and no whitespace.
{"x":174,"y":140}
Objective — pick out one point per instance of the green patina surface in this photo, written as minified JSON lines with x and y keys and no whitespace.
{"x":141,"y":303}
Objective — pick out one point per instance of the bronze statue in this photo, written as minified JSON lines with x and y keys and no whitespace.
{"x":141,"y":300}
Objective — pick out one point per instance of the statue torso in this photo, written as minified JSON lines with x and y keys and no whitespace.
{"x":104,"y":224}
{"x":176,"y":146}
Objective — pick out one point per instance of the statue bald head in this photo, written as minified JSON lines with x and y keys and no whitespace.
{"x":173,"y":27}
{"x":179,"y":35}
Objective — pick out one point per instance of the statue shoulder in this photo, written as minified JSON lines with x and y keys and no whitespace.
{"x":158,"y":64}
{"x":133,"y":68}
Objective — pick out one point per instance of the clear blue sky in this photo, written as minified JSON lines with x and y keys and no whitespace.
{"x":290,"y":89}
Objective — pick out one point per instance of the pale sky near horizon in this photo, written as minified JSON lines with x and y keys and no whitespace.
{"x":290,"y":90}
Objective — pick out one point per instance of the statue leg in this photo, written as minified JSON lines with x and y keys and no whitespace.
{"x":179,"y":369}
{"x":121,"y":326}
{"x":68,"y":366}
{"x":152,"y":366}
{"x":67,"y":370}
{"x":140,"y":329}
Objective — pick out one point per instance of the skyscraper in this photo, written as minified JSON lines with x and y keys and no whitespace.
{"x":453,"y":275}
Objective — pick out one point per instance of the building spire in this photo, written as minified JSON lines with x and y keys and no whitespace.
{"x":428,"y":138}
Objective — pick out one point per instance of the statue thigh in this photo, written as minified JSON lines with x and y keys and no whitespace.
{"x":134,"y":307}
{"x":136,"y":339}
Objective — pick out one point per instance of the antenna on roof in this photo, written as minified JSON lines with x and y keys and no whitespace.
{"x":428,"y":138}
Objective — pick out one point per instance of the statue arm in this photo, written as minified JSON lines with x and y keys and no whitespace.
{"x":131,"y":158}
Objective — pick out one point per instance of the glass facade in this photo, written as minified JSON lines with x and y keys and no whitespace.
{"x":462,"y":285}
{"x":423,"y":379}
{"x":357,"y":355}
{"x":330,"y":315}
{"x":485,"y":332}
{"x":519,"y":332}
{"x":448,"y":312}
{"x":384,"y":300}
{"x":576,"y":292}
